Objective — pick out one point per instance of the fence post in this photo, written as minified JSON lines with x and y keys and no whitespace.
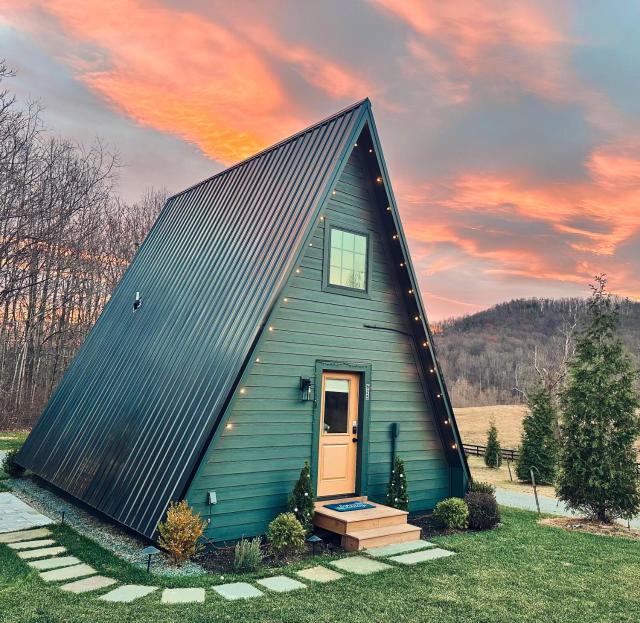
{"x":535,"y":489}
{"x":509,"y":468}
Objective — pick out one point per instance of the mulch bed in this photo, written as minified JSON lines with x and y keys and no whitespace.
{"x":430,"y":526}
{"x":219,"y":558}
{"x":579,"y":524}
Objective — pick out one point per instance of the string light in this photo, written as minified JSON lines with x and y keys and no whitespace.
{"x":356,"y":144}
{"x":322,"y":218}
{"x":297,"y":271}
{"x":395,"y":237}
{"x":410,"y":291}
{"x":243,"y":390}
{"x":454,"y":446}
{"x":388,"y":208}
{"x":311,"y":244}
{"x":416,"y":317}
{"x":333,"y":192}
{"x":446,"y":421}
{"x":379,"y":179}
{"x":439,"y":396}
{"x":401,"y":264}
{"x":431,"y":370}
{"x":370,"y":150}
{"x":425,"y":344}
{"x":229,"y":426}
{"x":257,"y":359}
{"x":286,"y":300}
{"x":270,"y":328}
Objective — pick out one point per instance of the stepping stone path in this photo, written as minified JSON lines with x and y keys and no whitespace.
{"x":88,"y":584}
{"x":54,"y":563}
{"x":319,"y":574}
{"x":281,"y":584}
{"x":360,"y":565}
{"x":182,"y":595}
{"x":16,"y":515}
{"x":128,"y":593}
{"x":33,"y":544}
{"x":67,"y":573}
{"x":29,"y":554}
{"x":422,"y":556}
{"x":397,"y":548}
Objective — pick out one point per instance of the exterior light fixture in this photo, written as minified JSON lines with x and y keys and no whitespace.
{"x":314,"y":539}
{"x":137,"y":303}
{"x":150,"y":551}
{"x":306,"y":389}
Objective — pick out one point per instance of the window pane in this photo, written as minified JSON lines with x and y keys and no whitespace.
{"x":348,"y":259}
{"x":336,"y":406}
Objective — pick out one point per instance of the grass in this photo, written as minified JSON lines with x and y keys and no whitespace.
{"x":500,"y":477}
{"x":521,"y":572}
{"x":12,"y":438}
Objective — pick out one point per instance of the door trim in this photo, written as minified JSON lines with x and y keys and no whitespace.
{"x":362,"y":457}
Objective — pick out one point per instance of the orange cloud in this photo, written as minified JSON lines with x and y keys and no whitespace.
{"x":178,"y":72}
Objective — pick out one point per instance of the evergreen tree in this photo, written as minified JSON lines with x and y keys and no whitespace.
{"x":493,"y":454}
{"x":398,"y":491}
{"x":301,"y":499}
{"x":539,"y":446}
{"x":597,"y":460}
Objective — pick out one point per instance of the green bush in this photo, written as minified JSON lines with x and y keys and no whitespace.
{"x":453,"y":513}
{"x":483,"y":510}
{"x":301,"y":499}
{"x":476,"y":486}
{"x":285,"y":535}
{"x":9,"y":465}
{"x":247,"y":555}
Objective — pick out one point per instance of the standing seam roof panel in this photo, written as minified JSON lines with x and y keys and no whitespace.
{"x":131,"y":418}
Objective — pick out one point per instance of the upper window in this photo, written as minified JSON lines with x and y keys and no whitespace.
{"x":348,"y":259}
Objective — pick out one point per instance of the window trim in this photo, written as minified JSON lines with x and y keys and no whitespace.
{"x":326,"y":265}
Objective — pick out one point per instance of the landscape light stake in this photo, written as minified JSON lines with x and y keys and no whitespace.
{"x":535,"y":489}
{"x":150,"y":551}
{"x":62,"y":518}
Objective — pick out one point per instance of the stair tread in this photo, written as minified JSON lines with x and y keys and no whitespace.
{"x":379,"y":511}
{"x":372,"y":533}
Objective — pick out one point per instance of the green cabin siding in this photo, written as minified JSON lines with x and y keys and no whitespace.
{"x":254,"y":464}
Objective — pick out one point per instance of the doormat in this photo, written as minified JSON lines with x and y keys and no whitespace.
{"x":349,"y":506}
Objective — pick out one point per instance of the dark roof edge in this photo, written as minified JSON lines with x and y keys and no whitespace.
{"x":262,"y":152}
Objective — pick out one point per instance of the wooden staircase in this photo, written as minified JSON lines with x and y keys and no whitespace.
{"x":370,"y":527}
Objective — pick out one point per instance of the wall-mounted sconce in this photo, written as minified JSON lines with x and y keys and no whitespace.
{"x":137,"y":303}
{"x":306,"y":389}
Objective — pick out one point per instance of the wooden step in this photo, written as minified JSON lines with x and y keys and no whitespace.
{"x":376,"y":537}
{"x":354,"y":521}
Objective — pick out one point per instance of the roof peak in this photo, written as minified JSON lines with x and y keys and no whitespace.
{"x":363,"y":102}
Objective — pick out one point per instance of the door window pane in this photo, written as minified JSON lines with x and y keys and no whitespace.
{"x":348,"y":259}
{"x":336,"y":406}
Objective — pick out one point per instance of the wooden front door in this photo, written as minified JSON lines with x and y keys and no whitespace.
{"x":338,"y":449}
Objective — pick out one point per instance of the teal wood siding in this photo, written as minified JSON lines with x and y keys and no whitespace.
{"x":256,"y":456}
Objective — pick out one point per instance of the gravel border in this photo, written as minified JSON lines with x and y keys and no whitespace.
{"x":107,"y":535}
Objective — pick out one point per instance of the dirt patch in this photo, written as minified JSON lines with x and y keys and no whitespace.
{"x":578,"y":524}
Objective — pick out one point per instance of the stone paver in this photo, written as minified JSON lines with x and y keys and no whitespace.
{"x":360,"y":565}
{"x":24,"y":535}
{"x":67,"y":573}
{"x":237,"y":590}
{"x":319,"y":574}
{"x":182,"y":595}
{"x":31,"y":544}
{"x":17,"y":515}
{"x":85,"y":585}
{"x":421,"y":556}
{"x":128,"y":593}
{"x":54,"y":563}
{"x":397,"y":548}
{"x":29,"y":554}
{"x":281,"y":584}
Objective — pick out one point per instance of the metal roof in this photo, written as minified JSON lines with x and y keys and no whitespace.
{"x":131,"y":418}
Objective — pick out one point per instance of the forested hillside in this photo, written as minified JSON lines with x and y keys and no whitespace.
{"x":489,"y":356}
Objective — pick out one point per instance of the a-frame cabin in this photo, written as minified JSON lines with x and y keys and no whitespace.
{"x":279,"y":320}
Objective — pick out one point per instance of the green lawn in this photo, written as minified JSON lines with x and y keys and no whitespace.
{"x":521,"y":572}
{"x":12,"y":438}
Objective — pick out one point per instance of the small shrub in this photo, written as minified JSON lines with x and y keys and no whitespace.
{"x":9,"y":465}
{"x":301,"y":499}
{"x":398,"y":490}
{"x":180,"y":532}
{"x":453,"y":513}
{"x":476,"y":486}
{"x":493,"y":453}
{"x":248,"y":555}
{"x":483,"y":510}
{"x":285,"y":535}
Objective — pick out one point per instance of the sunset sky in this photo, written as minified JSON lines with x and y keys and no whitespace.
{"x":511,"y":129}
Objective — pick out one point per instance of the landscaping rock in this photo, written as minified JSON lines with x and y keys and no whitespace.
{"x":182,"y":595}
{"x":360,"y":565}
{"x":237,"y":590}
{"x":29,"y":554}
{"x":423,"y":556}
{"x":319,"y":574}
{"x":67,"y":573}
{"x":281,"y":584}
{"x":88,"y":584}
{"x":24,"y":535}
{"x":128,"y":593}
